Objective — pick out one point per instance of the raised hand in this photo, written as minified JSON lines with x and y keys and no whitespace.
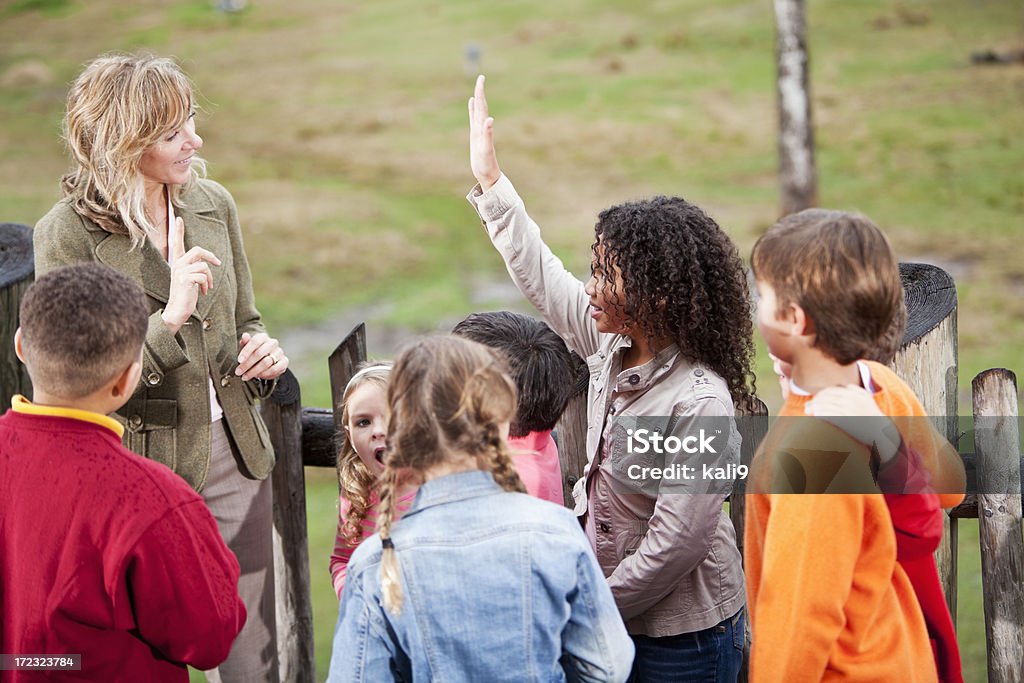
{"x":260,"y":357}
{"x":482,"y":159}
{"x":190,"y":276}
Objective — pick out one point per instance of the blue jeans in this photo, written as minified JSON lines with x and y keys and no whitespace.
{"x":713,"y":655}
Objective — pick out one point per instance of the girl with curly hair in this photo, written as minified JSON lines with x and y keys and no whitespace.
{"x":665,"y":325}
{"x":364,"y":412}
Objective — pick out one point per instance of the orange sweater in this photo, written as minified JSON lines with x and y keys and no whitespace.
{"x":827,"y":599}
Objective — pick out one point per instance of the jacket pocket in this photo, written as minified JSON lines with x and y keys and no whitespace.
{"x":628,"y":541}
{"x":151,"y":428}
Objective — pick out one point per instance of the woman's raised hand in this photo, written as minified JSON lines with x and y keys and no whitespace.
{"x":481,"y":139}
{"x":190,"y":276}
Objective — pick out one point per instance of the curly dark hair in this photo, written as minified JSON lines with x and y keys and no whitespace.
{"x":682,"y":278}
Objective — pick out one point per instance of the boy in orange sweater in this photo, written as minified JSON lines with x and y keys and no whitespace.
{"x":818,"y":565}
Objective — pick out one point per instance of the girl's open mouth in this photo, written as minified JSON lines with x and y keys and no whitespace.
{"x":379,"y":452}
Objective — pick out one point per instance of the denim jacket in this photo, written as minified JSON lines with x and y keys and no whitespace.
{"x":496,"y":586}
{"x":671,"y":560}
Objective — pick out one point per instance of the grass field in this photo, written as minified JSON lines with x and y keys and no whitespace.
{"x":340,"y":128}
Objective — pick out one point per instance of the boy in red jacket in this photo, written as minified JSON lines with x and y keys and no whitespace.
{"x":103,"y":554}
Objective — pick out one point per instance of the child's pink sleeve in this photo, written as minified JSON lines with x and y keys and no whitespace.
{"x":342,"y":551}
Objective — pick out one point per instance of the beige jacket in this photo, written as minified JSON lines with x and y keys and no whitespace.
{"x":669,"y":552}
{"x":168,"y":417}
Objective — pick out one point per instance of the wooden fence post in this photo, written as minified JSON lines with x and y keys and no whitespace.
{"x":282,"y":413}
{"x":752,"y":427}
{"x":571,"y":431}
{"x":997,"y":447}
{"x":927,"y":362}
{"x":16,"y":269}
{"x":341,"y":365}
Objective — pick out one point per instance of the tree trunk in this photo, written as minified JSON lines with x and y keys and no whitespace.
{"x":797,"y":171}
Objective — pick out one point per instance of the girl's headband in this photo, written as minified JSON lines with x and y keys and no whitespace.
{"x":363,"y":372}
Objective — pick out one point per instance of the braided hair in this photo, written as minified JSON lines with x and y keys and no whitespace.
{"x":449,"y":398}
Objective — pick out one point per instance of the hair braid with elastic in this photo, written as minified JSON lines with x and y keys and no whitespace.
{"x":390,"y":574}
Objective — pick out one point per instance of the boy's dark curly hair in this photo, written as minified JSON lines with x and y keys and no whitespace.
{"x":684,"y":279}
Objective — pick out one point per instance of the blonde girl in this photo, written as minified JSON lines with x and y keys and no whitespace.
{"x":478,"y":581}
{"x":364,"y":413}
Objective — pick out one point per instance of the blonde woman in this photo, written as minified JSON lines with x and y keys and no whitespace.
{"x":135,"y":200}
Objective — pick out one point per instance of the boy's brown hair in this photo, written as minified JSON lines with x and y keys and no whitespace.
{"x":839,"y":268}
{"x":81,"y":326}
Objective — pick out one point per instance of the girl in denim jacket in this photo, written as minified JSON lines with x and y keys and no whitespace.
{"x":478,"y":581}
{"x":664,"y":323}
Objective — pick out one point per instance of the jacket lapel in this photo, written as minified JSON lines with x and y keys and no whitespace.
{"x":144,"y":264}
{"x":203,"y":228}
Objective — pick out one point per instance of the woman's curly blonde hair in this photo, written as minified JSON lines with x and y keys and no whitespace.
{"x":118,"y":107}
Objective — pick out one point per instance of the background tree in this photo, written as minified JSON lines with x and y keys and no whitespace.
{"x":797,"y":172}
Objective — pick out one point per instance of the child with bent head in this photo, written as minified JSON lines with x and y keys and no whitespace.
{"x":664,"y":325}
{"x":364,"y":412}
{"x":477,"y":582}
{"x":544,"y":375}
{"x":103,"y":553}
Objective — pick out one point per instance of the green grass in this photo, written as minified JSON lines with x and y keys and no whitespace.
{"x":340,"y":129}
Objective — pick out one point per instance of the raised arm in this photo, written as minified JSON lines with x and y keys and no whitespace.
{"x":540,"y":275}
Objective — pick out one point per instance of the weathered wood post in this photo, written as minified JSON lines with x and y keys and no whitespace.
{"x":927,"y":362}
{"x":16,"y":270}
{"x":996,"y":441}
{"x":341,"y":365}
{"x":282,"y":413}
{"x":571,"y":431}
{"x":753,"y":427}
